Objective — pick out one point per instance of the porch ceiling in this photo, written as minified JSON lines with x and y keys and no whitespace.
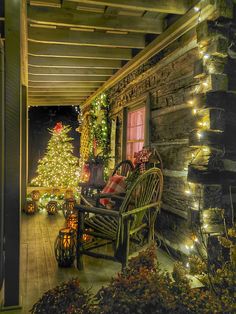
{"x":75,"y":46}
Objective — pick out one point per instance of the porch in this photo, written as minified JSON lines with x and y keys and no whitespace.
{"x":39,"y":270}
{"x":173,"y":62}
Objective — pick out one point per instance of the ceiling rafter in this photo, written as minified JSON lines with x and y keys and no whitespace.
{"x":164,"y":6}
{"x":70,"y":71}
{"x":80,"y":63}
{"x":45,"y":50}
{"x":81,"y":38}
{"x":70,"y":18}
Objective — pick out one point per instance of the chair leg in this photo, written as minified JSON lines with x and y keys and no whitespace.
{"x":80,"y":230}
{"x":125,"y":256}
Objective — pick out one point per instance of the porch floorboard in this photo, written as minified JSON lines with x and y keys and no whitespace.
{"x":39,"y":270}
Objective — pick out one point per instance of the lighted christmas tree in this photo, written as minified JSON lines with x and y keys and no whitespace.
{"x":58,"y":168}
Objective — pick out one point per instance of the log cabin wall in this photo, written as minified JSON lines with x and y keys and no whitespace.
{"x":191,"y":89}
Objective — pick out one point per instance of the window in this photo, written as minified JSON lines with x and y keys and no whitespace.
{"x":135,"y":132}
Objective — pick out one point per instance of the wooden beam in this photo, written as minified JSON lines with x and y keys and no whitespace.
{"x":46,"y":3}
{"x":170,"y":6}
{"x":64,"y":84}
{"x":66,"y":78}
{"x":59,"y":93}
{"x":74,"y":63}
{"x":39,"y":104}
{"x":176,"y":30}
{"x":46,"y":50}
{"x":69,"y":71}
{"x":98,"y":39}
{"x":39,"y":90}
{"x":71,"y":18}
{"x":56,"y":98}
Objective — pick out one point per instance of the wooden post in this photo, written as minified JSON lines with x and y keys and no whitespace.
{"x":12,"y":192}
{"x":1,"y":163}
{"x":24,"y":140}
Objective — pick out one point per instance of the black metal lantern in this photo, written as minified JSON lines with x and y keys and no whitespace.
{"x":69,"y":194}
{"x":68,"y":206}
{"x":65,"y":245}
{"x":52,"y":207}
{"x":35,"y":194}
{"x":30,"y":208}
{"x":72,"y":221}
{"x":56,"y":191}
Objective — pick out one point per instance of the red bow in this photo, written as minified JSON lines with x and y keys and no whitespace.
{"x":58,"y":128}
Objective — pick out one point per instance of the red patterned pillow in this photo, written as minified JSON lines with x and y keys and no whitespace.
{"x":115,"y":184}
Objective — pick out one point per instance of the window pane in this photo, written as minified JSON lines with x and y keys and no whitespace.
{"x":135,"y":132}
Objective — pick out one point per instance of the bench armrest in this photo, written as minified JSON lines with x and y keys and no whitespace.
{"x":97,"y":210}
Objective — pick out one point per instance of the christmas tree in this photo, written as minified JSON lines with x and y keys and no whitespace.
{"x":58,"y":168}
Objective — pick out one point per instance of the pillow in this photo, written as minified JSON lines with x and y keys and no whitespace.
{"x":115,"y":184}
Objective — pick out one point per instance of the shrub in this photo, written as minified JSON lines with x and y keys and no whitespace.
{"x":144,"y":288}
{"x":67,"y":298}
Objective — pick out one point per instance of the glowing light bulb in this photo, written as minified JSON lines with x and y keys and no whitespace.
{"x":195,"y":205}
{"x":188,"y":192}
{"x":205,"y":83}
{"x":187,"y":265}
{"x":206,"y":56}
{"x":196,"y":9}
{"x":194,"y":111}
{"x":199,"y":135}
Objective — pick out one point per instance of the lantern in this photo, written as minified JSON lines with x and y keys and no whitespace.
{"x":31,"y":207}
{"x":56,"y":191}
{"x":68,"y":206}
{"x":69,"y":194}
{"x":72,"y":221}
{"x":52,"y":207}
{"x":35,"y":194}
{"x":65,"y":247}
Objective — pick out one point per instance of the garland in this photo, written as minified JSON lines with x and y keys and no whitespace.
{"x":95,"y":137}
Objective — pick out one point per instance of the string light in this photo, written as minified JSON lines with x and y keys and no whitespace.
{"x":206,"y":56}
{"x":199,"y":135}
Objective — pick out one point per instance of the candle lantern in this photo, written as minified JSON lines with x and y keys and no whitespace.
{"x":35,"y":195}
{"x":72,"y":221}
{"x":30,"y":208}
{"x":56,"y":191}
{"x":52,"y":207}
{"x":65,"y":247}
{"x":69,"y":194}
{"x":68,"y":206}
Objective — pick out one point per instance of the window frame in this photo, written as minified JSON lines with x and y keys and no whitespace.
{"x":137,"y":104}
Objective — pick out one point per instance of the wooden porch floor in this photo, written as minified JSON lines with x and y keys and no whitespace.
{"x":39,"y":270}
